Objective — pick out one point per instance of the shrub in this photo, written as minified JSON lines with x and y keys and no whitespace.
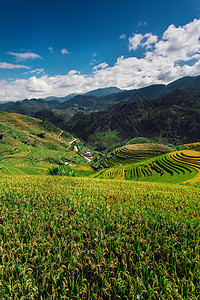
{"x":62,"y":170}
{"x":54,"y":171}
{"x":41,"y":135}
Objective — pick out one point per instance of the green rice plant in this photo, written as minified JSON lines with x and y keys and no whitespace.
{"x":134,"y":153}
{"x":81,"y":238}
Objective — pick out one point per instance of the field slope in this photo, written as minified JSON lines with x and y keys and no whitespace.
{"x":64,"y":237}
{"x":76,"y":238}
{"x":32,"y":146}
{"x":152,"y":162}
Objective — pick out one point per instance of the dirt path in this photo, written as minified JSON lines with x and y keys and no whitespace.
{"x":76,"y":149}
{"x":58,"y":136}
{"x":88,"y":159}
{"x":70,"y":143}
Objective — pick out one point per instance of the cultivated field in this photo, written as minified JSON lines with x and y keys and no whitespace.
{"x":64,"y":237}
{"x":30,"y":146}
{"x":76,"y":238}
{"x":147,"y":162}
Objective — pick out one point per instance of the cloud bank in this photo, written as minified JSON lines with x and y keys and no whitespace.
{"x":173,"y":55}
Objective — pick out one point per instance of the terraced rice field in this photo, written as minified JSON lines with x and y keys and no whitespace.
{"x":175,"y":167}
{"x":134,"y":153}
{"x":28,"y":146}
{"x":193,"y":146}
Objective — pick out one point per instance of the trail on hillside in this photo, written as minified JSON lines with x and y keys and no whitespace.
{"x":70,"y":143}
{"x":88,"y":159}
{"x":58,"y":136}
{"x":76,"y":149}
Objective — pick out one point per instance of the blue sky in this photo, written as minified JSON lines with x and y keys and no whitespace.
{"x":60,"y":47}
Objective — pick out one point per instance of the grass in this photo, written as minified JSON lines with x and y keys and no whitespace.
{"x":76,"y":238}
{"x":82,"y":170}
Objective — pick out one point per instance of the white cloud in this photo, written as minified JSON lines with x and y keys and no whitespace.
{"x":37,"y":85}
{"x":64,"y":51}
{"x":37,"y":71}
{"x":141,"y":24}
{"x":24,"y":56}
{"x":50,"y":49}
{"x":101,"y":66}
{"x":174,"y":55}
{"x":122,"y":36}
{"x":93,"y":62}
{"x":140,"y":40}
{"x":182,"y":42}
{"x":151,"y":39}
{"x":5,"y":65}
{"x":135,"y":41}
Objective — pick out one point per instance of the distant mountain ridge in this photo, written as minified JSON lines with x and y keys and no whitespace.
{"x":60,"y":113}
{"x":98,"y":93}
{"x":174,"y":117}
{"x":103,"y":92}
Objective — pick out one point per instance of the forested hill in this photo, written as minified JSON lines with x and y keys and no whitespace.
{"x":174,"y":117}
{"x":98,"y":100}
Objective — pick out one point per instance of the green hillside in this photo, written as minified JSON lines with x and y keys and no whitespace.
{"x":151,"y":162}
{"x":32,"y":146}
{"x":170,"y":119}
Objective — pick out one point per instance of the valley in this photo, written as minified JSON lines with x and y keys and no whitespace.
{"x":106,"y":206}
{"x":100,"y":150}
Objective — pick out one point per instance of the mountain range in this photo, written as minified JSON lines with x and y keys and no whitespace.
{"x":100,"y":99}
{"x":174,"y":118}
{"x":98,"y":93}
{"x":168,"y":112}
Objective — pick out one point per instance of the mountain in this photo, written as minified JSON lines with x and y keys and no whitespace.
{"x":53,"y":117}
{"x":103,"y":92}
{"x":189,"y":84}
{"x":29,"y":107}
{"x":98,"y":93}
{"x":68,"y":105}
{"x":88,"y":103}
{"x":61,"y":99}
{"x":173,"y":117}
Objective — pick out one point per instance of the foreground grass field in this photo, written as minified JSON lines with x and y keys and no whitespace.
{"x":81,"y":238}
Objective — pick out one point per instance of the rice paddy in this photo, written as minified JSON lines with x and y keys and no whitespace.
{"x":30,"y":146}
{"x":76,"y":238}
{"x":174,"y":167}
